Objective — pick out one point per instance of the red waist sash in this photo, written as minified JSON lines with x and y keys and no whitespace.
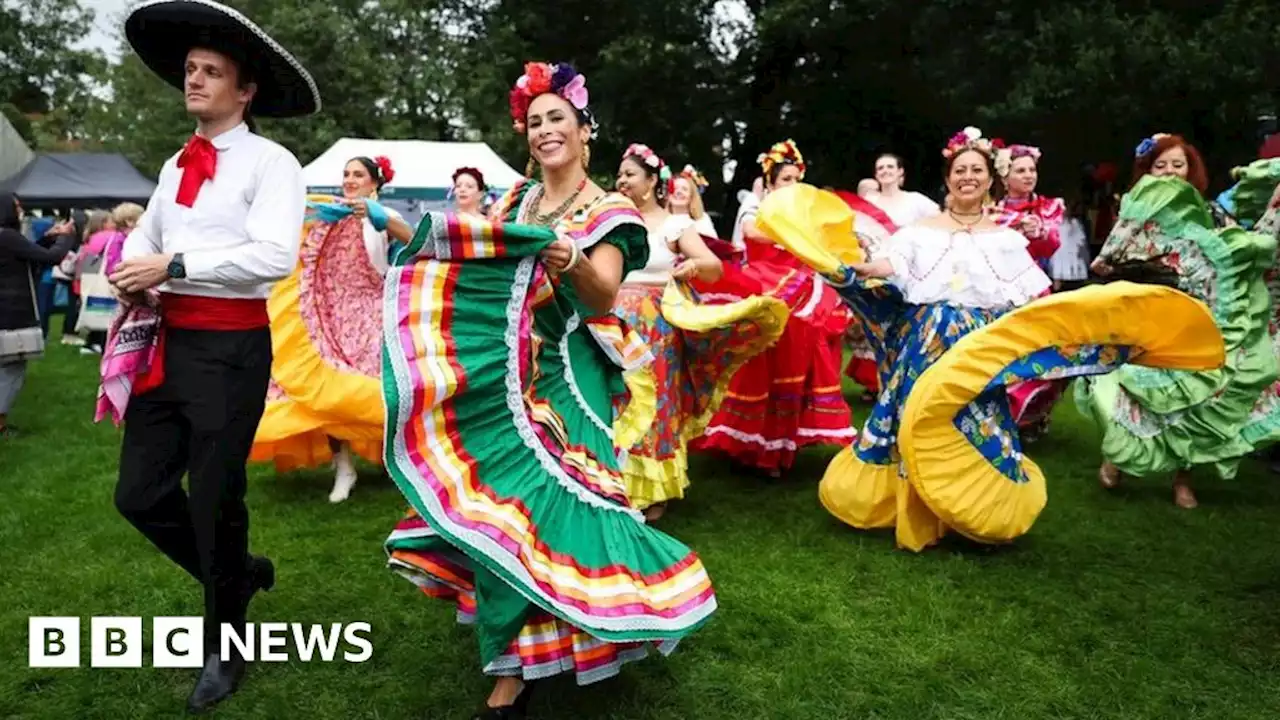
{"x":194,"y":312}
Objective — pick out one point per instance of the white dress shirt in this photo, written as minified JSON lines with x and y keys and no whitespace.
{"x":243,"y":232}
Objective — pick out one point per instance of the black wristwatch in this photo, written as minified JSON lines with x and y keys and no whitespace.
{"x":177,"y":270}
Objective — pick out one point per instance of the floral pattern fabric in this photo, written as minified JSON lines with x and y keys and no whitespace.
{"x":341,"y":297}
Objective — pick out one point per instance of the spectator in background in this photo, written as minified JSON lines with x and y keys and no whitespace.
{"x":40,"y":228}
{"x":21,"y":337}
{"x":87,"y":225}
{"x":1069,"y":266}
{"x":111,"y":227}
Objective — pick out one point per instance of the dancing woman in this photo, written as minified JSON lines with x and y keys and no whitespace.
{"x":502,"y":357}
{"x":324,"y":400}
{"x":940,"y":451}
{"x":1039,"y":219}
{"x":789,"y":396}
{"x":904,"y":207}
{"x":697,"y":348}
{"x":686,"y":200}
{"x":1170,"y":422}
{"x":469,"y":191}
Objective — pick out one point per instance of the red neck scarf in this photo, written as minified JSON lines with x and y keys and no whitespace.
{"x":199,"y":161}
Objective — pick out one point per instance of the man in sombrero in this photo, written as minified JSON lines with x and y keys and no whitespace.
{"x":221,"y":228}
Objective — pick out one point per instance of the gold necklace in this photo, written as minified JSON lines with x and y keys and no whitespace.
{"x":966,"y":226}
{"x":551,"y":218}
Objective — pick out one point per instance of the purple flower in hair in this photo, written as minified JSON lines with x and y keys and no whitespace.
{"x":563,"y":75}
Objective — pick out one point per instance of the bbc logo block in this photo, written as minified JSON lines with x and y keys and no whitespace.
{"x":53,"y":642}
{"x":115,"y":642}
{"x":179,"y":642}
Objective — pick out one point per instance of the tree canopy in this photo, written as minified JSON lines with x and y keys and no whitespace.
{"x":711,"y":81}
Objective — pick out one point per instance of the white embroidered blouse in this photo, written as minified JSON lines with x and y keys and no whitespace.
{"x":663,"y":249}
{"x":982,"y":269}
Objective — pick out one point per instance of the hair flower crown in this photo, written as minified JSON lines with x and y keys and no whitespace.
{"x":1004,"y":157}
{"x":1148,"y":144}
{"x":971,"y":139}
{"x":783,"y":153}
{"x":698,"y":179}
{"x":540,"y":78}
{"x":1021,"y":151}
{"x":474,"y":173}
{"x":652,"y":161}
{"x":384,"y":168}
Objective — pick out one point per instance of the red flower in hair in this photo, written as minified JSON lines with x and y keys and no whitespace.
{"x":519,"y":108}
{"x":539,"y":78}
{"x":997,"y":143}
{"x":384,"y":166}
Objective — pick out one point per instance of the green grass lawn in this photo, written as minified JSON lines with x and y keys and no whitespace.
{"x":1114,"y":606}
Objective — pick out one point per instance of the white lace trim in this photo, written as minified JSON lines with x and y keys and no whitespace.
{"x":569,"y":327}
{"x":781,"y":443}
{"x":515,"y":399}
{"x":433,"y":508}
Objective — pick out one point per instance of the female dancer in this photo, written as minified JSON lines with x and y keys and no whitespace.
{"x":1165,"y":155}
{"x":938,"y":451}
{"x":788,"y":397}
{"x":324,"y":400}
{"x":1158,"y":422}
{"x":1039,"y":219}
{"x":686,"y":200}
{"x":904,"y":207}
{"x":500,"y":367}
{"x":468,"y":192}
{"x":697,"y":349}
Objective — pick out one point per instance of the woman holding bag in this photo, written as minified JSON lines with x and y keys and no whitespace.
{"x":20,"y":334}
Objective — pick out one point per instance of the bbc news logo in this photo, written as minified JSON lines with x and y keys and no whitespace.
{"x":178,"y":642}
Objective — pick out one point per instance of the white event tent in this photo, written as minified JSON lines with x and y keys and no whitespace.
{"x":423,"y":170}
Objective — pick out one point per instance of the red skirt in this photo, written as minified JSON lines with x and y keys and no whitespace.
{"x":789,"y":396}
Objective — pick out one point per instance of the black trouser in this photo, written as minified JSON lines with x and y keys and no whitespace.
{"x":200,"y":421}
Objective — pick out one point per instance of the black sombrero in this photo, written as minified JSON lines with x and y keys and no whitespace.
{"x":162,"y":32}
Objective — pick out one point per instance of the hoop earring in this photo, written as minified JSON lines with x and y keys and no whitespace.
{"x":586,"y":157}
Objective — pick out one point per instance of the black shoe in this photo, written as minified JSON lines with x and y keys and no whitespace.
{"x":515,"y":711}
{"x":262,"y":575}
{"x":217,"y":682}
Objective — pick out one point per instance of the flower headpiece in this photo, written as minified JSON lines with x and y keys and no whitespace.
{"x":540,"y":78}
{"x":698,"y":179}
{"x":653,"y":162}
{"x":1149,"y":144}
{"x":1005,"y":156}
{"x":783,"y":153}
{"x":384,"y":168}
{"x":473,"y":172}
{"x":971,"y":139}
{"x":1021,"y":151}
